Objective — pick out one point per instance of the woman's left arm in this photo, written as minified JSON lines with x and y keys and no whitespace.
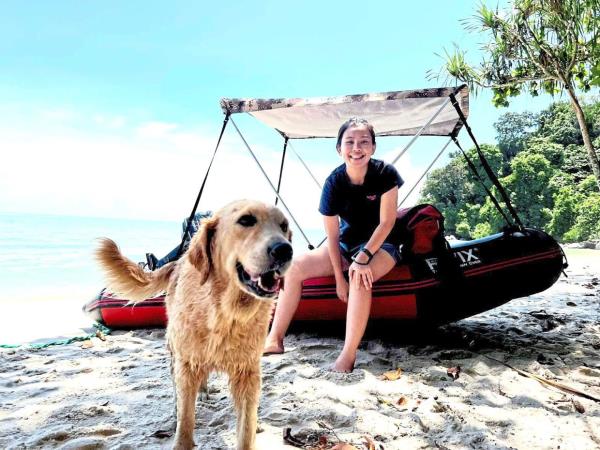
{"x":387,"y":219}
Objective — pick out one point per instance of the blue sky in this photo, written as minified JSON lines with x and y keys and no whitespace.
{"x":112,"y":108}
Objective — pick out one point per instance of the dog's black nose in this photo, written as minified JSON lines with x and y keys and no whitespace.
{"x":281,"y":252}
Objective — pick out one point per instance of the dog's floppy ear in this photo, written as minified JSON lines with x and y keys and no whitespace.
{"x":200,"y":251}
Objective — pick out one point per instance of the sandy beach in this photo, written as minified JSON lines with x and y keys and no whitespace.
{"x":115,"y":392}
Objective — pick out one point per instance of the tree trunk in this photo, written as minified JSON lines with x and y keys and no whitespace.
{"x":585,"y":133}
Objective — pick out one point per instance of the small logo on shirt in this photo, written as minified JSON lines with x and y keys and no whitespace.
{"x":371,"y":197}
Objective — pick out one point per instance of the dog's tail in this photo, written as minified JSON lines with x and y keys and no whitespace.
{"x":126,"y":277}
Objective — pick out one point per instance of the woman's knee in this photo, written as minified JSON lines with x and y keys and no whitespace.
{"x":304,"y":266}
{"x":297,"y":270}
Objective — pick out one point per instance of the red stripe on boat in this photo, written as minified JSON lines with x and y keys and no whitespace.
{"x":134,"y":316}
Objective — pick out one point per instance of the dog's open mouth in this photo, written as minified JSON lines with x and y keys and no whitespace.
{"x":265,"y":284}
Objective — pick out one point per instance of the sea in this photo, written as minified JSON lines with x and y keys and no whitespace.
{"x":51,"y":257}
{"x":45,"y":256}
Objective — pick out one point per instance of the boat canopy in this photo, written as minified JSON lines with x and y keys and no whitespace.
{"x":423,"y":112}
{"x":399,"y":113}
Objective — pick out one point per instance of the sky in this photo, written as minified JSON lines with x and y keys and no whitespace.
{"x":111,"y":109}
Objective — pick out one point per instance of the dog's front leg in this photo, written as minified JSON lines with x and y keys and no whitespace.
{"x":186,"y":387}
{"x":245,"y":388}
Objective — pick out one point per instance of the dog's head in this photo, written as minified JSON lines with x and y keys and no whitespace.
{"x":247,"y":241}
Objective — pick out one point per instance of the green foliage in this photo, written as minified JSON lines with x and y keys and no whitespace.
{"x":592,"y":116}
{"x":538,"y":46}
{"x":559,"y":124}
{"x":454,"y":190}
{"x":588,"y":186}
{"x":513,"y":130}
{"x":482,"y":230}
{"x":566,"y":208}
{"x":560,"y":180}
{"x":544,"y":146}
{"x":534,"y":45}
{"x":490,"y":216}
{"x":587,"y":225}
{"x":446,"y":188}
{"x":463,"y":229}
{"x":529,"y":187}
{"x":576,"y":163}
{"x":495,"y":159}
{"x":550,"y":184}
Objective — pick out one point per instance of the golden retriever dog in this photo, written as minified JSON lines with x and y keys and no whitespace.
{"x":219,"y":301}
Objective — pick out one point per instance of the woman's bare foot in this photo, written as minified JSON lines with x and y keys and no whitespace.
{"x":273,"y":347}
{"x":344,"y":364}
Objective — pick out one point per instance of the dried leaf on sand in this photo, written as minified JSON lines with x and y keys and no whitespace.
{"x":391,"y":375}
{"x":369,"y":443}
{"x":578,"y":406}
{"x":453,"y":372}
{"x":100,"y":335}
{"x":402,"y":401}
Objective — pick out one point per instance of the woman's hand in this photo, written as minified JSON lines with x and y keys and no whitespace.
{"x":342,"y":289}
{"x":361,"y":275}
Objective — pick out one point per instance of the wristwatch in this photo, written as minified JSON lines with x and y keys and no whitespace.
{"x":367,"y":252}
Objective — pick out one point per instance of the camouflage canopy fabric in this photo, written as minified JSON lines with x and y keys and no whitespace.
{"x":400,"y":113}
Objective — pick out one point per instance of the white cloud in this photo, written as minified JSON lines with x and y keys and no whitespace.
{"x":110,"y":122}
{"x":58,"y":115}
{"x":119,"y":176}
{"x":154,"y":130}
{"x":155,"y":172}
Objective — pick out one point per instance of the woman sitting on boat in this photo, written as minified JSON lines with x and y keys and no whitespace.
{"x":358,"y":204}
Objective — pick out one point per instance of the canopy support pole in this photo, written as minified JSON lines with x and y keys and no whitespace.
{"x":425,"y":173}
{"x":489,"y":193}
{"x":285,"y":144}
{"x":490,"y":173}
{"x":306,"y":167}
{"x":416,"y":136}
{"x":193,"y":213}
{"x":310,"y":246}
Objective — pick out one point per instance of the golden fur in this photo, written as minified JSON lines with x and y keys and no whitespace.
{"x":217,"y":320}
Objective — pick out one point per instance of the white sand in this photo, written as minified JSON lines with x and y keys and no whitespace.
{"x":32,"y":320}
{"x":117,"y":394}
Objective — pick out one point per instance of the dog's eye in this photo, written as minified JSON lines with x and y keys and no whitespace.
{"x":247,"y":220}
{"x":284,"y":227}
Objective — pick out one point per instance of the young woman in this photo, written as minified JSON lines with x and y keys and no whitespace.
{"x":358,"y":204}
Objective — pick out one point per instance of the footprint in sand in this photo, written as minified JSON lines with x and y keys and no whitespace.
{"x":78,"y":439}
{"x":338,"y":377}
{"x":42,"y":391}
{"x":55,"y":436}
{"x":104,"y":432}
{"x":279,"y":417}
{"x":317,"y":346}
{"x":84,"y":443}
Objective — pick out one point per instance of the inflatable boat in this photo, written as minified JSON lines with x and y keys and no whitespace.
{"x":494,"y":270}
{"x":487,"y":272}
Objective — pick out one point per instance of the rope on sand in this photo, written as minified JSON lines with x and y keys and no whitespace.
{"x":100,"y":332}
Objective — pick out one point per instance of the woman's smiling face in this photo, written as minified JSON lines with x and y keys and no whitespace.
{"x":356,"y":147}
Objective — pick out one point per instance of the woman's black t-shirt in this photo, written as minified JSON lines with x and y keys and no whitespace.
{"x":358,"y":205}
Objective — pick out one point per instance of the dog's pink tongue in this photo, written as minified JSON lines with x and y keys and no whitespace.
{"x":273,"y":288}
